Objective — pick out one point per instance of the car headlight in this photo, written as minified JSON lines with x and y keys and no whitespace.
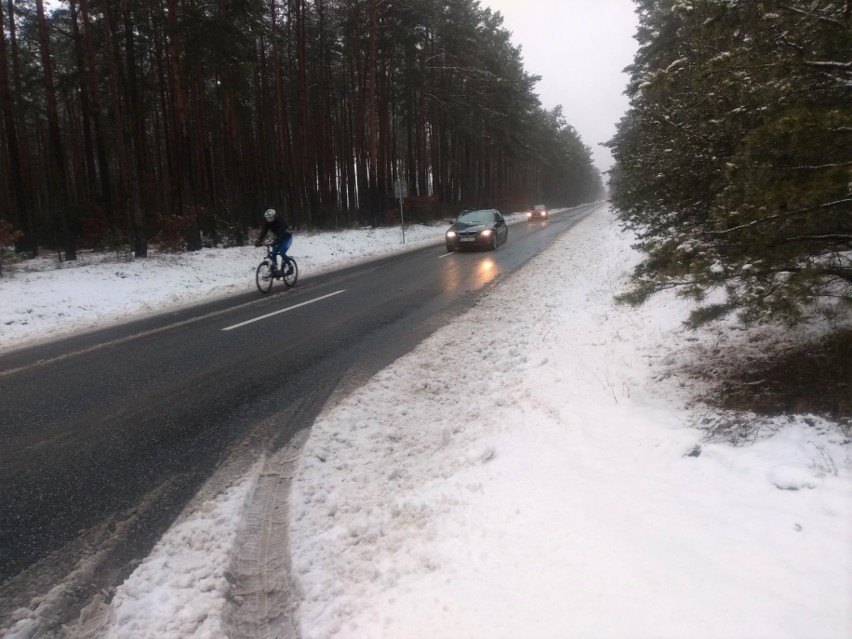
{"x":451,"y":234}
{"x":486,"y":233}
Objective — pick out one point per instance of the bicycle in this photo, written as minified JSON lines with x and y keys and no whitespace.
{"x":268,"y":270}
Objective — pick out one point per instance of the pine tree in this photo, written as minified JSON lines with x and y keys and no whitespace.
{"x":733,"y":162}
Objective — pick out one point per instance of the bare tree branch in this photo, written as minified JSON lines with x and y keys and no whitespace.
{"x":819,"y":166}
{"x":813,"y":14}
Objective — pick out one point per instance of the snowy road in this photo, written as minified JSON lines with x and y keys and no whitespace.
{"x":98,"y":468}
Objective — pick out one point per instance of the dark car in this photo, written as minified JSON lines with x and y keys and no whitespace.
{"x":480,"y":228}
{"x":538,"y":212}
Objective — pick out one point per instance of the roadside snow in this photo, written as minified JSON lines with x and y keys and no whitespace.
{"x":42,"y":302}
{"x":182,"y":587}
{"x":541,"y":479}
{"x":533,"y":481}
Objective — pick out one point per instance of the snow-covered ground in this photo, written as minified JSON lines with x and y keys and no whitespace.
{"x":543,"y":479}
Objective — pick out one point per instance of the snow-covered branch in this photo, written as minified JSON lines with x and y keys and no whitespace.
{"x":828,"y":64}
{"x":771,"y":218}
{"x":818,"y":167}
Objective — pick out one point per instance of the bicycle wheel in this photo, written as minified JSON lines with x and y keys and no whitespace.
{"x":291,"y":273}
{"x":263,"y":276}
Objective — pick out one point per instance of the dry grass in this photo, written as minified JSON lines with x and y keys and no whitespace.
{"x":813,"y":378}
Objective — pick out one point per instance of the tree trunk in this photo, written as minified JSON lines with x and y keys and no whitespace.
{"x":85,"y":105}
{"x":93,"y":93}
{"x":373,"y":118}
{"x":22,"y":217}
{"x":60,"y":196}
{"x":137,"y":137}
{"x":178,"y":116}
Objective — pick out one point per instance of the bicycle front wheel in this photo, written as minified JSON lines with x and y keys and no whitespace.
{"x":263,"y":276}
{"x":291,"y":273}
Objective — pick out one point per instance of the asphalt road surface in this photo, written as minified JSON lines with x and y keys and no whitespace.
{"x":106,"y":436}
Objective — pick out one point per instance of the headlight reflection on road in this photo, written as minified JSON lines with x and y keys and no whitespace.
{"x":485,"y":271}
{"x":468,"y":276}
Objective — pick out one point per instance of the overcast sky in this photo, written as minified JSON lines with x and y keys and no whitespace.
{"x":579,"y":48}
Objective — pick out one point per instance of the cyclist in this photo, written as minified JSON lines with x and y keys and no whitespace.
{"x":283,"y":237}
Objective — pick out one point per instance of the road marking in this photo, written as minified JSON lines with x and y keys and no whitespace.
{"x":123,"y":340}
{"x":447,"y":254}
{"x":283,"y":310}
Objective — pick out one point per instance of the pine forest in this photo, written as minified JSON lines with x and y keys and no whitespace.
{"x":179,"y":121}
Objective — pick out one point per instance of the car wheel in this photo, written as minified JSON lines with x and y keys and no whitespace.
{"x":494,"y":242}
{"x":450,"y":248}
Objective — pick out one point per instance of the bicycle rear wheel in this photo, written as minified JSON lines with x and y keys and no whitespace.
{"x":263,"y":276}
{"x":291,"y":272}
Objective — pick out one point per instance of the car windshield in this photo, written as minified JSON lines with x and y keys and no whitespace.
{"x":539,"y":207}
{"x":485,"y":216}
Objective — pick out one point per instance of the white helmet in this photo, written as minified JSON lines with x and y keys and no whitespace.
{"x":269,"y":214}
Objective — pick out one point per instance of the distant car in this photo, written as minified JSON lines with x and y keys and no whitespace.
{"x":481,"y":228}
{"x":539,"y":212}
